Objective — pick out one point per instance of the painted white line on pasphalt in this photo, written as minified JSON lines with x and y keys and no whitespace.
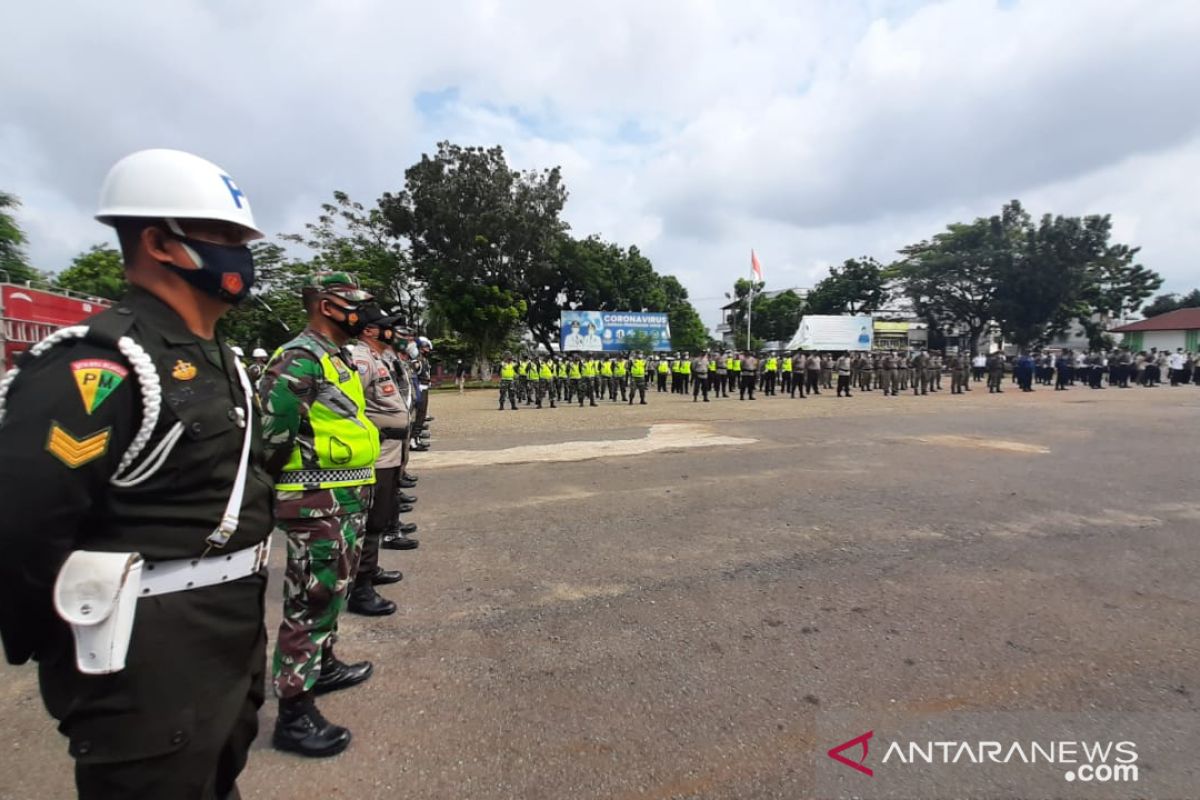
{"x":659,"y":437}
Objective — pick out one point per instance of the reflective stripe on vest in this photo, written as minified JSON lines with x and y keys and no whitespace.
{"x":507,"y":372}
{"x":638,"y":368}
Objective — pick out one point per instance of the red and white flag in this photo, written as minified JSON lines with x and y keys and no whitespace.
{"x":755,"y":267}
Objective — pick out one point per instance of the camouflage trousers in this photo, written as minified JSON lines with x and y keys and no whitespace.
{"x":322,"y":559}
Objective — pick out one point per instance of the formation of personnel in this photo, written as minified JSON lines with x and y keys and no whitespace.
{"x":145,"y":469}
{"x":586,"y":378}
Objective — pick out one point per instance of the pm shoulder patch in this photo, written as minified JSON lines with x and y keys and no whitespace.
{"x":76,"y":452}
{"x":96,"y":379}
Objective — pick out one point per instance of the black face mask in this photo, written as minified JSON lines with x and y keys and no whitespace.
{"x":226,"y":271}
{"x":353,"y":321}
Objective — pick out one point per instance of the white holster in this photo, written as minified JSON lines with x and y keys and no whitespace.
{"x":96,"y":594}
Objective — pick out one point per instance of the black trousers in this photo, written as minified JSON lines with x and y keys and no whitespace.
{"x":422,"y":412}
{"x":662,"y":382}
{"x":796,"y":384}
{"x":178,"y":721}
{"x":381,"y":519}
{"x":843,"y":385}
{"x":700,"y":385}
{"x":813,"y":381}
{"x":748,"y":383}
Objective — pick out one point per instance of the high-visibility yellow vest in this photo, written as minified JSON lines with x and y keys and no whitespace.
{"x":787,"y":365}
{"x":772,"y":365}
{"x":663,"y":367}
{"x":728,"y":363}
{"x":606,"y":368}
{"x":344,"y":448}
{"x":531,"y":371}
{"x":562,"y":369}
{"x":619,"y":368}
{"x":638,"y":368}
{"x":574,"y":370}
{"x":685,"y":368}
{"x":735,"y":365}
{"x":589,"y":369}
{"x":546,"y":372}
{"x":508,"y":371}
{"x":712,"y":365}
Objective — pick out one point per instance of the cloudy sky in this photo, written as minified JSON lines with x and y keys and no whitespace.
{"x":811,"y":131}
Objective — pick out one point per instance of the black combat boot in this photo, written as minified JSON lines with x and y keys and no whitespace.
{"x":302,"y":729}
{"x":381,"y":576}
{"x":398,"y":541}
{"x":337,"y":674}
{"x":366,"y":601}
{"x":406,"y":498}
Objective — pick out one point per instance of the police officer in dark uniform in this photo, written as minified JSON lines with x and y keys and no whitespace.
{"x":137,"y":433}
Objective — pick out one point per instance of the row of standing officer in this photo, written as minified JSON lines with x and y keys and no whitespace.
{"x":575,"y":377}
{"x":142,"y":478}
{"x":799,"y":373}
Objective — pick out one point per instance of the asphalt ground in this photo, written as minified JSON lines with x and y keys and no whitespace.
{"x":672,"y":600}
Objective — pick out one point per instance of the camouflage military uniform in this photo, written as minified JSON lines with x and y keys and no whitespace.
{"x":323,"y":526}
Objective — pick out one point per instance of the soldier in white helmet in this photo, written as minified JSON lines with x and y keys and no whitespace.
{"x":258,"y":363}
{"x":137,"y":508}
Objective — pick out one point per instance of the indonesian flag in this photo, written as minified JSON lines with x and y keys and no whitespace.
{"x":755,"y":267}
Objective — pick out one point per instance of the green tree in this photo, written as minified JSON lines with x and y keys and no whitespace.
{"x":951,"y":279}
{"x":737,"y":315}
{"x":12,"y":243}
{"x":1034,"y":280}
{"x":348,"y":236}
{"x":774,"y":316}
{"x":858,"y":286}
{"x":777,"y":317}
{"x":1163,"y":303}
{"x":481,"y":236}
{"x":688,"y":331}
{"x":99,"y":272}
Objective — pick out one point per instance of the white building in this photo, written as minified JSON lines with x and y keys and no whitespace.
{"x":1170,"y":331}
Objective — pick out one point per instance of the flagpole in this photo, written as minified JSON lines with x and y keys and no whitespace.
{"x":749,"y":308}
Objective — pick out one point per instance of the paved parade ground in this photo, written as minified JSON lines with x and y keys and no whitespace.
{"x":662,"y":601}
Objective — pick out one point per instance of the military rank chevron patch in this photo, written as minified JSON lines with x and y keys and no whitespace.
{"x":76,"y":452}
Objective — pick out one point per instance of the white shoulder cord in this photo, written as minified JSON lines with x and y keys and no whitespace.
{"x":233,"y":509}
{"x":147,"y":378}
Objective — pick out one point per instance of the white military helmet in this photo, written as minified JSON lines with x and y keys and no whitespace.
{"x":259,"y":353}
{"x":172,"y":184}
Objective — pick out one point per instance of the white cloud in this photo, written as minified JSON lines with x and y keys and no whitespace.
{"x":811,"y":131}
